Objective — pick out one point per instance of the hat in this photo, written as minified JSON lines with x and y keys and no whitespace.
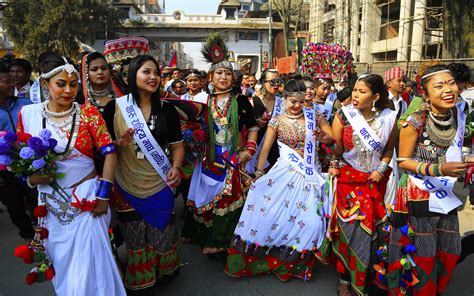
{"x":326,"y":61}
{"x":393,"y":73}
{"x":215,"y":51}
{"x":121,"y":49}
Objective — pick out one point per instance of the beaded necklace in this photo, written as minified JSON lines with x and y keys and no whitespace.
{"x":229,"y":115}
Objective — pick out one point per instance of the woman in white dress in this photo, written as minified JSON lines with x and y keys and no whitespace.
{"x":284,"y":218}
{"x":77,"y":220}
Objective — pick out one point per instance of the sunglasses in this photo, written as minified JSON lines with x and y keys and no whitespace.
{"x":274,"y":82}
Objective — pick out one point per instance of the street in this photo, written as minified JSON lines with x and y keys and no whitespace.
{"x":201,"y":276}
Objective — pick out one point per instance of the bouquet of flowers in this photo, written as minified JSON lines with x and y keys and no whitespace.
{"x":24,"y":155}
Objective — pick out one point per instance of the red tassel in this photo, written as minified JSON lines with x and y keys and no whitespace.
{"x":49,"y":273}
{"x":31,"y":278}
{"x":40,"y":212}
{"x":20,"y":251}
{"x":44,"y":233}
{"x":28,"y":257}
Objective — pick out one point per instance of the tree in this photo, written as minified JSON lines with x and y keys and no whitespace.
{"x":290,"y":13}
{"x":458,"y":28}
{"x":51,"y":25}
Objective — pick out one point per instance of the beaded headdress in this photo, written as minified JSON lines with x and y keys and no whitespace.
{"x":68,"y":68}
{"x":118,"y":50}
{"x":326,"y":61}
{"x":215,"y":51}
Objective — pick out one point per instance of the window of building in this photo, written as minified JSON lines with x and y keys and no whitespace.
{"x":328,"y":31}
{"x":230,"y":13}
{"x":245,"y":7}
{"x":329,"y":5}
{"x":390,"y":18}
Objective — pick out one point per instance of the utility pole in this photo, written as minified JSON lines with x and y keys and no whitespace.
{"x":270,"y":41}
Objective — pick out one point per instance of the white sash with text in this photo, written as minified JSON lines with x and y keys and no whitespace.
{"x":143,"y":137}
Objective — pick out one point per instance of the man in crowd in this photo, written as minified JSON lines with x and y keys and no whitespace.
{"x":21,"y":72}
{"x":394,"y":81}
{"x":251,"y":80}
{"x":12,"y":193}
{"x":178,"y":87}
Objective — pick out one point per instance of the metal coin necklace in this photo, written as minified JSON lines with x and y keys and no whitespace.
{"x":439,"y":136}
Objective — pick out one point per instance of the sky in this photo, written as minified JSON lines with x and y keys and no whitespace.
{"x":193,"y":7}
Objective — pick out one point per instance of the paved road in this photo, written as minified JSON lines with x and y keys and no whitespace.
{"x":204,"y":277}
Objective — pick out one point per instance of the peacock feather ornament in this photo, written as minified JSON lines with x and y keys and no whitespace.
{"x":215,"y":51}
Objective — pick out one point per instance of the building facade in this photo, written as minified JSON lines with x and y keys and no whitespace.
{"x":380,"y":30}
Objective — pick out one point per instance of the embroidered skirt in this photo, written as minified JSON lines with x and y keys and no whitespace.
{"x":282,"y":223}
{"x":436,"y":239}
{"x":356,"y":229}
{"x":152,"y":252}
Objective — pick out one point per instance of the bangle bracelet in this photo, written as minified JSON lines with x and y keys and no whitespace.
{"x":401,"y":159}
{"x":29,"y":183}
{"x":101,"y":198}
{"x":418,"y":168}
{"x":440,"y":169}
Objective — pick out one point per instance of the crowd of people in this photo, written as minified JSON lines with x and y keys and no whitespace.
{"x":276,"y":174}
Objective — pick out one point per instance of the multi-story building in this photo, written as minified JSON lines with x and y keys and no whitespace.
{"x":380,"y":30}
{"x":6,"y":46}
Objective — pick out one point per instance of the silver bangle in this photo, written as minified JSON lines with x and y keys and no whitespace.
{"x":29,"y":183}
{"x":106,"y":199}
{"x":401,"y":159}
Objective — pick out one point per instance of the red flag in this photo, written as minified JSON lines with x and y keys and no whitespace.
{"x":173,"y":62}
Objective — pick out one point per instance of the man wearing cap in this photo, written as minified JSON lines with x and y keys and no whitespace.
{"x":393,"y":78}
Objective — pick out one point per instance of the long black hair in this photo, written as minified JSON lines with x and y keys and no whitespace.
{"x":376,"y":85}
{"x":156,"y":104}
{"x":295,"y":84}
{"x":94,"y":56}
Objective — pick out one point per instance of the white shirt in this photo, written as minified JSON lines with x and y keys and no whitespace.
{"x":468,"y":96}
{"x":396,"y":101}
{"x":24,"y":91}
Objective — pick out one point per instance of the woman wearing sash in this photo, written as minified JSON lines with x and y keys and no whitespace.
{"x":216,"y":192}
{"x":365,"y":135}
{"x":283,"y":219}
{"x":77,"y":215}
{"x":144,"y":176}
{"x":325,"y":102}
{"x":425,"y":241}
{"x":193,"y":138}
{"x":265,"y":108}
{"x":98,"y":87}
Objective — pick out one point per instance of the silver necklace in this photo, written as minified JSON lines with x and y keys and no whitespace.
{"x":442,"y":122}
{"x":101,"y":93}
{"x":293,"y":116}
{"x":48,"y":113}
{"x":442,"y":138}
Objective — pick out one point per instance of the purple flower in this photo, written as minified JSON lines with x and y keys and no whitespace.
{"x":5,"y":160}
{"x":38,"y":164}
{"x":41,"y":150}
{"x":4,"y":148}
{"x":35,"y":142}
{"x":45,"y":134}
{"x":10,"y":137}
{"x":52,"y":143}
{"x":27,"y":153}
